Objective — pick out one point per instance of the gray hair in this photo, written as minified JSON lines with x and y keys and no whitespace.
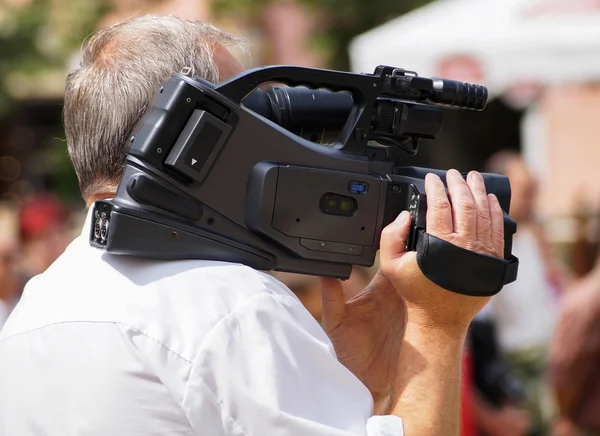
{"x":122,"y":67}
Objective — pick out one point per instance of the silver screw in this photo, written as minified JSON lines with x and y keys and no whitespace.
{"x":188,"y":100}
{"x":159,"y":150}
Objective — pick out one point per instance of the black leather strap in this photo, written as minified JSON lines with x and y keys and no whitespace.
{"x":462,"y":271}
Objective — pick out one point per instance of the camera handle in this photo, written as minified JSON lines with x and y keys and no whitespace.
{"x":365,"y":88}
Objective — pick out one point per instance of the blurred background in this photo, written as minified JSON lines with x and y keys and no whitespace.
{"x":540,"y":60}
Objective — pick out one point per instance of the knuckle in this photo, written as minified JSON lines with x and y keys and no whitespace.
{"x":480,"y":192}
{"x":468,"y":244}
{"x":483,"y":218}
{"x":387,"y":232}
{"x":479,"y":189}
{"x":386,"y":268}
{"x":437,"y":222}
{"x":440,"y":204}
{"x":466,"y":204}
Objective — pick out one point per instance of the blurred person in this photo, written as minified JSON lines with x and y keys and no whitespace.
{"x":525,"y":312}
{"x":103,"y":344}
{"x":497,"y":397}
{"x":575,"y":358}
{"x":9,"y":256}
{"x":44,"y":233}
{"x":306,"y":288}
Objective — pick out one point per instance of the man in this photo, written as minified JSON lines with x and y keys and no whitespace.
{"x":574,"y":362}
{"x":112,"y":345}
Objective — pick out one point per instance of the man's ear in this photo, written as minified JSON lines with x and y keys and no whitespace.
{"x":227,"y":64}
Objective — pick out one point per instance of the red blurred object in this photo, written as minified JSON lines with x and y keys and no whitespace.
{"x":39,"y":215}
{"x":468,"y":427}
{"x":461,"y":67}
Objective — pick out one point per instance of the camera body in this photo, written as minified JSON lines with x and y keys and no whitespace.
{"x":209,"y":178}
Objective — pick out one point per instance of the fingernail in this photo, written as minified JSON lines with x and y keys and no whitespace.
{"x":453,"y":173}
{"x":402,"y":217}
{"x":475,"y":176}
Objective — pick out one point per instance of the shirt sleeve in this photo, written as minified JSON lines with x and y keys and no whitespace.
{"x":269,"y":369}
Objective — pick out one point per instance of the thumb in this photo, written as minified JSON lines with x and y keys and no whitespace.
{"x":334,"y":303}
{"x":393,"y":240}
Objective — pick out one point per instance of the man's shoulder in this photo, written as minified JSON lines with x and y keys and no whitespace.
{"x":176,"y":301}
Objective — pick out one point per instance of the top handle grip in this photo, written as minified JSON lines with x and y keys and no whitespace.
{"x":364,"y":87}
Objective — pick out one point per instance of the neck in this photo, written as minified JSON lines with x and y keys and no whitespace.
{"x":99,"y":196}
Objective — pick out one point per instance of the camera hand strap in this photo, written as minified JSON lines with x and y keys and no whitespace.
{"x":462,"y":271}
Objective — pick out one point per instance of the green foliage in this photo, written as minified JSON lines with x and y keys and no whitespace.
{"x":41,"y":36}
{"x":37,"y":40}
{"x":345,"y":20}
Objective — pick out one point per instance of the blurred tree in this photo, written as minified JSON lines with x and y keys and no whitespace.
{"x":338,"y":21}
{"x":37,"y":38}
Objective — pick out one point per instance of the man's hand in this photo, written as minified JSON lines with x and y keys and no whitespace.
{"x":474,"y":221}
{"x":367,"y":333}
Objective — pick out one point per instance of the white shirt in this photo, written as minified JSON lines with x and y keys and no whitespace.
{"x":524,"y":311}
{"x":4,"y":312}
{"x":112,"y":345}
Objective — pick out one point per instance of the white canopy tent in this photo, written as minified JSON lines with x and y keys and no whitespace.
{"x":516,"y":48}
{"x":497,"y":43}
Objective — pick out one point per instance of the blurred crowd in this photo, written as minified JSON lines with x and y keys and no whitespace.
{"x":32,"y":236}
{"x":532,"y":361}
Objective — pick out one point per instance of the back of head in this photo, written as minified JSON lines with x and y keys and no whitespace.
{"x":121,"y":69}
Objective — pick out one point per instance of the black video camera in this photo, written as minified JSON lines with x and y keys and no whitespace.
{"x":232,"y":173}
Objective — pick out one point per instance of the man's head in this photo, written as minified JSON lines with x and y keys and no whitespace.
{"x":522,"y":182}
{"x":122,"y":67}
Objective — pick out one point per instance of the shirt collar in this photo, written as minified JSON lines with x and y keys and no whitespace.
{"x":87,"y":225}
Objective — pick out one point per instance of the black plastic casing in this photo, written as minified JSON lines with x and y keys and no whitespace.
{"x":207,"y":178}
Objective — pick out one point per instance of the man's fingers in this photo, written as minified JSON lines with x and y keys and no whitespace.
{"x":464,"y":210}
{"x":439,"y":212}
{"x":484,"y":221}
{"x":334,"y":303}
{"x":497,"y":220}
{"x":393,"y":240}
